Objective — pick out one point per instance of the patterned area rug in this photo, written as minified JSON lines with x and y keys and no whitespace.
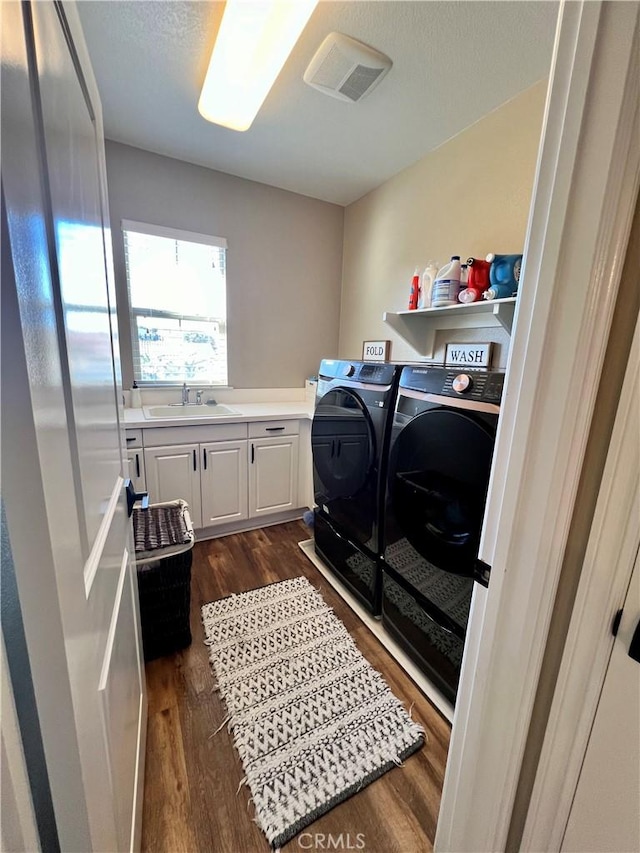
{"x":312,"y":721}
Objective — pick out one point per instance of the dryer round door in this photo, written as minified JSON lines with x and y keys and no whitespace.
{"x":438,"y":478}
{"x":343,"y":445}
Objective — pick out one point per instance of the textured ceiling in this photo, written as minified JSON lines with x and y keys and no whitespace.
{"x":453,"y":62}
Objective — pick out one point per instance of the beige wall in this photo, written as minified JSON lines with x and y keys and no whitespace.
{"x":469,"y":197}
{"x":283,"y":267}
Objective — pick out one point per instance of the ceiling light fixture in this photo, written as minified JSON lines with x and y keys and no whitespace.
{"x":254,"y":40}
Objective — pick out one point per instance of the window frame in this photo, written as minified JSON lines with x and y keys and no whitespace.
{"x":178,"y":234}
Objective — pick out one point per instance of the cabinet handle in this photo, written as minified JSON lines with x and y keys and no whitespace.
{"x":138,"y":465}
{"x":204,"y":451}
{"x":253,"y":453}
{"x":333,"y":447}
{"x":273,"y":429}
{"x":194,"y":460}
{"x":339,"y":447}
{"x":131,"y":439}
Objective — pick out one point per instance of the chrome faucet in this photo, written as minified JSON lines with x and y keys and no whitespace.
{"x":185,"y":394}
{"x":198,"y":398}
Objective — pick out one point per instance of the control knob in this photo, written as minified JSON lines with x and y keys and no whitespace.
{"x":462,"y":383}
{"x":349,"y":370}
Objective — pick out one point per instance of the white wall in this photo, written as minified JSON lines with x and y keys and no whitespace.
{"x":469,"y":197}
{"x":284,"y":263}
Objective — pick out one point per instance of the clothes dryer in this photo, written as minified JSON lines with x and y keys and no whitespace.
{"x":349,"y":438}
{"x":440,"y":456}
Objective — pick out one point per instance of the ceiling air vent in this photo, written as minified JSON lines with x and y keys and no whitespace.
{"x":345,"y":68}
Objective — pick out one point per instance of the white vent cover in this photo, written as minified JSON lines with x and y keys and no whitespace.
{"x":345,"y":68}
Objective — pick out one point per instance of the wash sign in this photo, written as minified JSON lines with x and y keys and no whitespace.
{"x":468,"y":355}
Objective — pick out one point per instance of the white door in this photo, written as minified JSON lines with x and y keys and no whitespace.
{"x":605,"y":815}
{"x":223,"y":482}
{"x":173,"y":473}
{"x":273,"y":475}
{"x":67,"y":433}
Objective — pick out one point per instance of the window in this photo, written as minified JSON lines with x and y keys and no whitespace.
{"x":177,"y":303}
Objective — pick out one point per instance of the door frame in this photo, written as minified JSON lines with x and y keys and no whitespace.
{"x":608,"y":565}
{"x":584,"y":196}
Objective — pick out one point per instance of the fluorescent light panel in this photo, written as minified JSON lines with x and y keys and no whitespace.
{"x":254,"y":40}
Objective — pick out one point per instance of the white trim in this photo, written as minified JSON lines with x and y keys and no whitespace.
{"x":609,"y":560}
{"x":111,"y":635}
{"x":375,"y":626}
{"x":173,"y":233}
{"x":141,"y":746}
{"x":138,"y":787}
{"x":19,"y":830}
{"x":93,"y":561}
{"x":584,"y":196}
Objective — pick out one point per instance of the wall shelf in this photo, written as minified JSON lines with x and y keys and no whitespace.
{"x":418,"y":328}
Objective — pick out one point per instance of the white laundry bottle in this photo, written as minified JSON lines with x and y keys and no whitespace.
{"x":446,"y":287}
{"x":426,"y":286}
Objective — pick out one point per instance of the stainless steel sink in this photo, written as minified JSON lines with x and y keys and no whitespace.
{"x":188,"y":411}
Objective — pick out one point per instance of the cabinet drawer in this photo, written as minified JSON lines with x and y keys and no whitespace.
{"x":264,"y":429}
{"x":200,"y":433}
{"x":134,"y":438}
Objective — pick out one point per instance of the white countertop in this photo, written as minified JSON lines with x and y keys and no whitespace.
{"x":246,"y":412}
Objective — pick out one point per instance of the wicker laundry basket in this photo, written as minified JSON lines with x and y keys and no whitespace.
{"x":164,"y":537}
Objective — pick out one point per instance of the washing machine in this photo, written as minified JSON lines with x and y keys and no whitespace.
{"x":440,"y":454}
{"x":349,"y":439}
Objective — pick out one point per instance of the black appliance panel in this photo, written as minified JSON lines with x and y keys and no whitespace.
{"x":438,"y":477}
{"x":357,"y":569}
{"x":344,"y":441}
{"x":484,"y":385}
{"x":350,"y":437}
{"x":437,"y":652}
{"x":377,"y":373}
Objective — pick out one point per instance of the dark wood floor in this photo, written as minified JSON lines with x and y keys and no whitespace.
{"x":191,"y":778}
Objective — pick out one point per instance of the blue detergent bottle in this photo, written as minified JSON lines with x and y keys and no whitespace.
{"x":504,"y":274}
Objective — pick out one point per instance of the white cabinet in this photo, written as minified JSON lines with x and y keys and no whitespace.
{"x":273,"y":475}
{"x":173,"y":472}
{"x":223,"y":480}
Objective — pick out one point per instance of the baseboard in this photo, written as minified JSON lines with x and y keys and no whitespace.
{"x":420,"y":680}
{"x":249,"y":524}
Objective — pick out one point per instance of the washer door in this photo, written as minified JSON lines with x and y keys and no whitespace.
{"x":438,"y":479}
{"x":343,"y":442}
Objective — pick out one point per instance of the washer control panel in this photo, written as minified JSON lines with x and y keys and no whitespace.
{"x":462,"y":383}
{"x":473,"y":384}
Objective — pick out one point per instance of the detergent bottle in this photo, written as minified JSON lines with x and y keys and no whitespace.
{"x":415,"y":287}
{"x":505,"y":270}
{"x":478,"y":280}
{"x":499,"y":291}
{"x":426,"y":287}
{"x":447,"y":284}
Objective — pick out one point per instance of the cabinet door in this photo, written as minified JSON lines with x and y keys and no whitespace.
{"x":223,"y":482}
{"x":135,"y":458}
{"x":273,"y":475}
{"x":173,"y":473}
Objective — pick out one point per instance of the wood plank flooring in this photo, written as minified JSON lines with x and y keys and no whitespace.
{"x":192,"y":776}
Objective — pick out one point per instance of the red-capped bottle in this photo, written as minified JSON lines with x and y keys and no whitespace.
{"x":415,"y":290}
